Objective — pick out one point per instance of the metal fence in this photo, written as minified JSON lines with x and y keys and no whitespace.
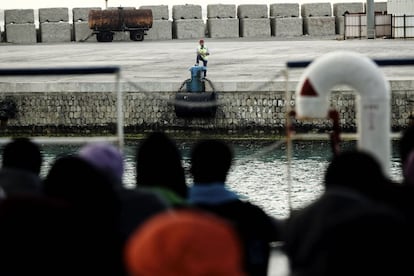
{"x":355,"y":25}
{"x":403,"y":26}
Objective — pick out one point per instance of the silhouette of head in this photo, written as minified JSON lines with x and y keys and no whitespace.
{"x":159,"y":164}
{"x":24,"y":154}
{"x":105,"y":157}
{"x":77,"y":181}
{"x":211,"y":161}
{"x":355,"y":169}
{"x":92,"y":195}
{"x":406,"y":143}
{"x":408,"y":169}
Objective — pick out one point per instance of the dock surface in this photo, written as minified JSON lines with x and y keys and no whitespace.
{"x":231,"y":60}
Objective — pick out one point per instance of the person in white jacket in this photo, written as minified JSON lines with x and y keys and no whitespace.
{"x":202,"y":53}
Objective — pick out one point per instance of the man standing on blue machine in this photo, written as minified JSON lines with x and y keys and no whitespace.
{"x":202,"y":53}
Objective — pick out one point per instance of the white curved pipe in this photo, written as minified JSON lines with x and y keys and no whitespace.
{"x":373,"y":101}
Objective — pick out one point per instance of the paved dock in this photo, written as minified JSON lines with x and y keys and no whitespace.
{"x":232,"y":61}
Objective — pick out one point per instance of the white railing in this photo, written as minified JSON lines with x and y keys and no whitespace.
{"x":117,"y":138}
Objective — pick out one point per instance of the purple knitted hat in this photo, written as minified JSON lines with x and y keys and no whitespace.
{"x":105,"y":157}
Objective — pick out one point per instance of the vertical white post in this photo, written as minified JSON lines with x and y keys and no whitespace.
{"x":120,"y":112}
{"x":370,"y":19}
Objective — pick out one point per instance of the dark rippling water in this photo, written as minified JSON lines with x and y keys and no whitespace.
{"x":260,"y":171}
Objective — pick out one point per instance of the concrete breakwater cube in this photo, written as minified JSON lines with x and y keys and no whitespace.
{"x":159,"y":12}
{"x":316,"y":10}
{"x":55,"y":32}
{"x":21,"y":33}
{"x":223,"y":27}
{"x":188,"y":28}
{"x":186,"y":11}
{"x":284,"y":10}
{"x":161,"y":30}
{"x":379,"y":7}
{"x":286,"y":26}
{"x":319,"y":26}
{"x":82,"y":14}
{"x":252,"y":11}
{"x":53,"y":15}
{"x":81,"y":31}
{"x":19,"y":16}
{"x":256,"y":27}
{"x":124,"y":8}
{"x":339,"y":9}
{"x":221,"y":11}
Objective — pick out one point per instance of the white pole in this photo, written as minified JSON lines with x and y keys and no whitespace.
{"x":120,"y":111}
{"x":370,"y":19}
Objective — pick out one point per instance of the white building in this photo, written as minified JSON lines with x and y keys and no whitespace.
{"x":403,"y":17}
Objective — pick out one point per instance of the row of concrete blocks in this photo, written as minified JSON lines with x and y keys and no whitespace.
{"x":189,"y":11}
{"x":253,"y":22}
{"x":179,"y":29}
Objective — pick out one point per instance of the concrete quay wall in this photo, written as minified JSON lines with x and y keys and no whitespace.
{"x":84,"y":108}
{"x":56,"y":25}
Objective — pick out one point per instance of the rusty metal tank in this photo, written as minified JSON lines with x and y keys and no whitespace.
{"x":120,"y":19}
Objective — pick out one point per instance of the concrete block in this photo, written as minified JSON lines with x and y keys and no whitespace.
{"x":188,"y":28}
{"x":186,"y":11}
{"x":319,"y":26}
{"x":222,"y":28}
{"x":221,"y":11}
{"x":316,"y":9}
{"x":21,"y":16}
{"x":55,"y":32}
{"x":82,"y":14}
{"x":53,"y":15}
{"x":161,"y":30}
{"x":159,"y":12}
{"x":252,"y":11}
{"x":125,"y":8}
{"x":339,"y":9}
{"x":286,"y":26}
{"x":81,"y":31}
{"x":284,"y":10}
{"x":256,"y":27}
{"x":21,"y":33}
{"x":379,"y":7}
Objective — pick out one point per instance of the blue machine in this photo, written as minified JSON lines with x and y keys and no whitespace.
{"x":195,"y":102}
{"x":196,"y":83}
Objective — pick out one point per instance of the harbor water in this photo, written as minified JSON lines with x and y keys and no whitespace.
{"x":263,"y":171}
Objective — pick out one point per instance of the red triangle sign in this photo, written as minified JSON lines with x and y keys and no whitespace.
{"x":308,"y":90}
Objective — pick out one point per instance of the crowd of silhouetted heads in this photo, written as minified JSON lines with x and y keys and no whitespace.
{"x":80,"y":219}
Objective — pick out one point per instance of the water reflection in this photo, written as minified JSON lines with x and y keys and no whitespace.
{"x":259,"y":172}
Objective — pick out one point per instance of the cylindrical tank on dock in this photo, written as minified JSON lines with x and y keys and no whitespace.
{"x":120,"y":19}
